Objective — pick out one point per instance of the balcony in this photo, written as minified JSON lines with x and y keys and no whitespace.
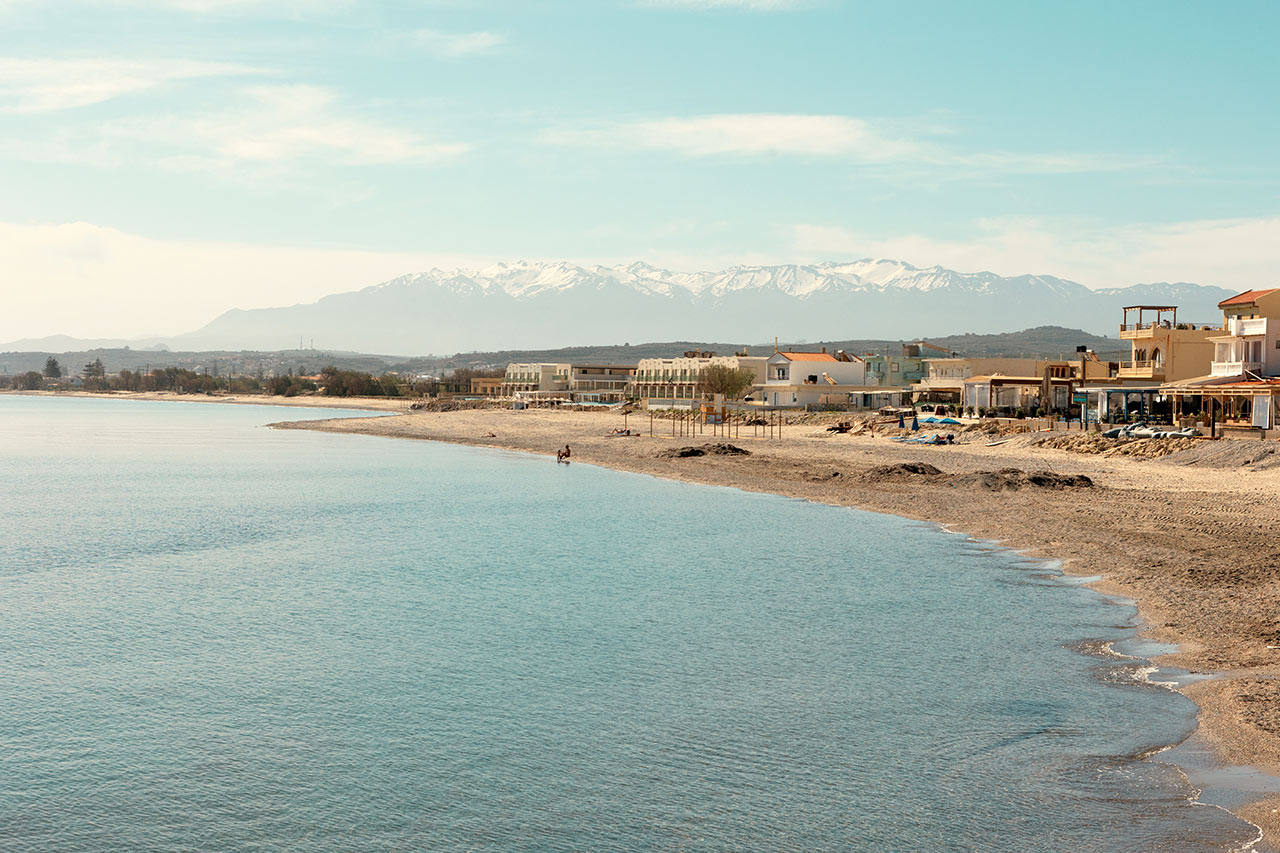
{"x":1138,"y":331}
{"x":1243,"y":328}
{"x":590,"y":385}
{"x":1234,"y":368}
{"x":1146,"y":331}
{"x":1141,"y":370}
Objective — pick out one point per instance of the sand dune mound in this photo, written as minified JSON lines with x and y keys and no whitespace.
{"x":1134,"y":448}
{"x":902,"y":471}
{"x":1229,"y":454}
{"x":703,"y":450}
{"x":1015,"y":478}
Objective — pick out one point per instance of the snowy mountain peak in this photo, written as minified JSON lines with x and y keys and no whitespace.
{"x":531,"y":304}
{"x":522,"y":280}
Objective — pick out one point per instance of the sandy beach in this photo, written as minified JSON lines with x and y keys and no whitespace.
{"x":1188,"y":537}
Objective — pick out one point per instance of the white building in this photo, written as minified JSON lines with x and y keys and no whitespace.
{"x":812,"y":378}
{"x":1249,"y":347}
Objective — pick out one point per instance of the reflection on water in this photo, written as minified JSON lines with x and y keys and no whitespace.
{"x":214,"y":636}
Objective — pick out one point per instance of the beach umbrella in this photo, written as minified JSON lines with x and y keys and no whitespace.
{"x":915,"y":423}
{"x":902,"y":423}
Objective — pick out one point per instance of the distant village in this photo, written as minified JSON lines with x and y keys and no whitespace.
{"x":1224,"y":371}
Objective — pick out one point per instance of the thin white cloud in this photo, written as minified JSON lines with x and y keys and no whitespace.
{"x":47,"y":85}
{"x":744,"y":134}
{"x":277,"y":125}
{"x":90,"y":281}
{"x":446,"y":45}
{"x":852,"y":139}
{"x":1231,"y":253}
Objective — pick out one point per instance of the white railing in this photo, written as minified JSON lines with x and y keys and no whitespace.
{"x":1256,"y":326}
{"x":1242,"y":327}
{"x":1141,"y":368}
{"x":1234,"y":368}
{"x":1226,"y":368}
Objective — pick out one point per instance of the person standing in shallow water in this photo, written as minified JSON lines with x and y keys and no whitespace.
{"x":562,"y":455}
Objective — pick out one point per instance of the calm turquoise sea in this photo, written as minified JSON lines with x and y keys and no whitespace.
{"x":215,"y":636}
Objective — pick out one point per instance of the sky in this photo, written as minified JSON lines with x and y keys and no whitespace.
{"x":162,"y":161}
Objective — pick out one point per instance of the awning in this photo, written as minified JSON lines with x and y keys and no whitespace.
{"x":1205,"y":380}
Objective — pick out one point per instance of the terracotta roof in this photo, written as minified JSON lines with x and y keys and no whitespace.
{"x":1247,"y":297}
{"x":807,"y":356}
{"x":1253,"y":383}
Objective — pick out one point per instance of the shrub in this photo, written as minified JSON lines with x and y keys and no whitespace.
{"x":28,"y":381}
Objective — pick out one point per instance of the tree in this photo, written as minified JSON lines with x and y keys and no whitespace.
{"x":94,"y":373}
{"x":732,"y":382}
{"x":28,"y":381}
{"x":52,"y":369}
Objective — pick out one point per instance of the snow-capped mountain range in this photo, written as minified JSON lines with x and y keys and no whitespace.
{"x":524,"y":280}
{"x":534,"y":305}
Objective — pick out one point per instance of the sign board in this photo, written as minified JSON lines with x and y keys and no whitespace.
{"x":1079,"y":398}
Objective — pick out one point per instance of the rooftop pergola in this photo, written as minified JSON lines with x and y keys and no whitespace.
{"x":1151,"y":315}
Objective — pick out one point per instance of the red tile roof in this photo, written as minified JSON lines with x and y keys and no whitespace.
{"x":1247,"y":297}
{"x":807,"y":356}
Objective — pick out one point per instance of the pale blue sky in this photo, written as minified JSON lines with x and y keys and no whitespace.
{"x":163,"y":160}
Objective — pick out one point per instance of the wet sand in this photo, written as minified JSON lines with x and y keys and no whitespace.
{"x":1194,"y":547}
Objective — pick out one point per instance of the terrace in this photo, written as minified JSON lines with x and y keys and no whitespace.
{"x":1144,"y":321}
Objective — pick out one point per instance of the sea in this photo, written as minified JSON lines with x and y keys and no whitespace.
{"x":218,"y":636}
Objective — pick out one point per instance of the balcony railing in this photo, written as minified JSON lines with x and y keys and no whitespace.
{"x":1129,"y":331}
{"x":1234,"y":368}
{"x":1141,"y":369}
{"x":1241,"y":327}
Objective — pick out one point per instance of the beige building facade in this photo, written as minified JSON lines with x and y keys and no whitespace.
{"x":600,"y":383}
{"x":535,"y":377}
{"x":1164,"y":349}
{"x":674,"y":382}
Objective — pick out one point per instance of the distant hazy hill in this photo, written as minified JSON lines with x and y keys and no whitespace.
{"x":527,"y":306}
{"x":1043,"y":341}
